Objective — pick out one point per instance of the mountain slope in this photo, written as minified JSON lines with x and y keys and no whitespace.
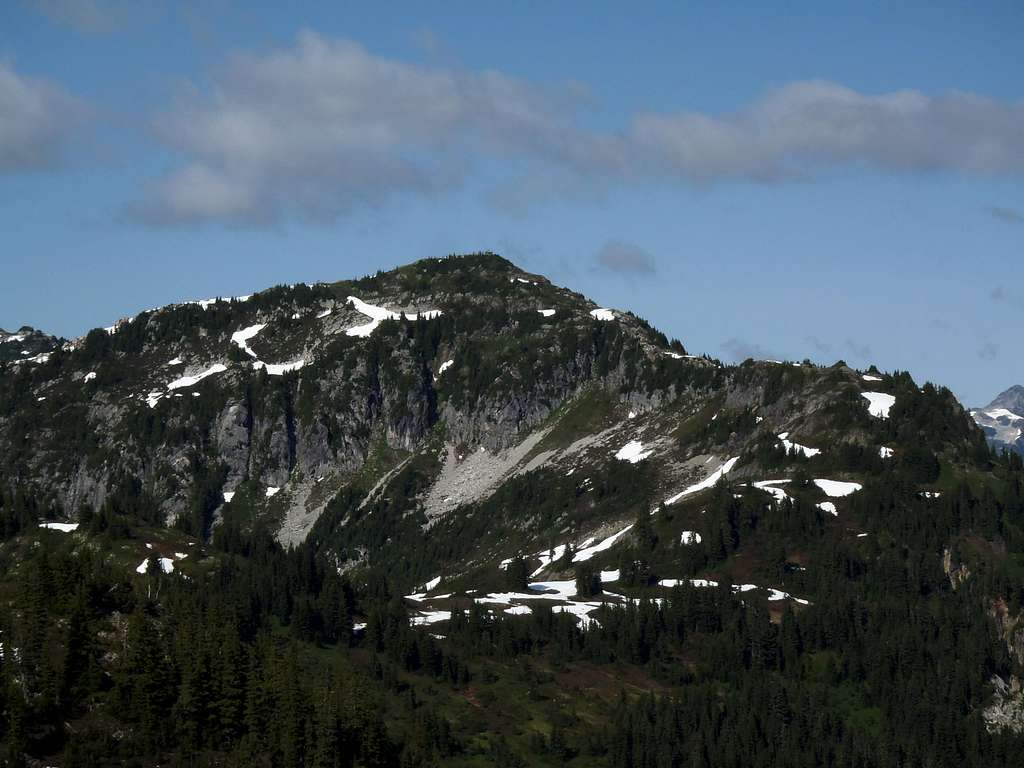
{"x":303,"y":527}
{"x":410,"y":405}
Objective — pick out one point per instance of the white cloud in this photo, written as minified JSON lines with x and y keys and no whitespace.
{"x":37,"y":118}
{"x":324,"y":126}
{"x":802,"y":125}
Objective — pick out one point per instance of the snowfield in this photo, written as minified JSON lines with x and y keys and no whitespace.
{"x":1003,"y":413}
{"x":879,"y":403}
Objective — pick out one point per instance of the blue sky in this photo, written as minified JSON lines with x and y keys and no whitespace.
{"x":771,"y":181}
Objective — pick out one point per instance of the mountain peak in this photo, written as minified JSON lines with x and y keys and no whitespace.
{"x":1002,"y":420}
{"x":1012,"y":399}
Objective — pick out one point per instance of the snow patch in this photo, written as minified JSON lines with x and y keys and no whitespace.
{"x":547,"y":312}
{"x":790,"y":446}
{"x":271,"y":490}
{"x":431,"y":584}
{"x":885,"y":453}
{"x":689,"y":537}
{"x":279,"y":369}
{"x":879,"y":403}
{"x":828,"y":506}
{"x":166,"y":565}
{"x":62,"y":527}
{"x":870,"y":377}
{"x":430,"y":617}
{"x":633,"y":452}
{"x":445,"y":366}
{"x":836,"y":488}
{"x":242,"y":337}
{"x":602,"y":314}
{"x":228,"y":496}
{"x":89,"y":376}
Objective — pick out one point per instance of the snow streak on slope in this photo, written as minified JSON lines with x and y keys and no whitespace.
{"x":588,"y":552}
{"x":768,"y":486}
{"x":707,"y":482}
{"x":242,"y":337}
{"x":188,"y":381}
{"x":379,"y":314}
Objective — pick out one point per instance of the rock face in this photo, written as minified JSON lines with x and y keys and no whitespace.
{"x":26,"y":344}
{"x":1003,"y":419}
{"x":1006,"y":710}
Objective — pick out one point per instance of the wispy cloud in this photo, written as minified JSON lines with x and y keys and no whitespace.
{"x":91,"y":17}
{"x":325,"y":126}
{"x":624,"y":258}
{"x":37,"y":120}
{"x":738,"y":350}
{"x":1003,"y":296}
{"x":1005,"y":214}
